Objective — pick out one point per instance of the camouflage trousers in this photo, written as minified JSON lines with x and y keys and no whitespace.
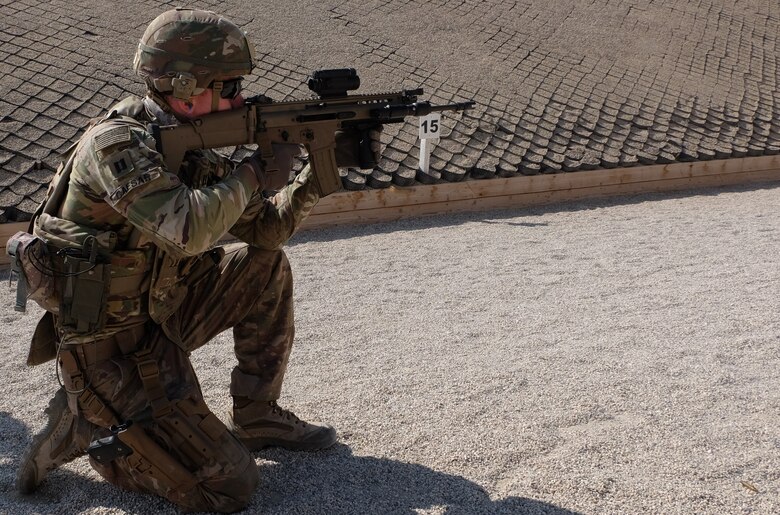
{"x":248,"y":290}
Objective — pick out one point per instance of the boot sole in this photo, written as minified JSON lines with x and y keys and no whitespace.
{"x":259,"y":443}
{"x":27,"y":480}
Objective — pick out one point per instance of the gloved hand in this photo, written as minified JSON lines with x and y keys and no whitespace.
{"x":279,"y":169}
{"x":359,"y":147}
{"x":256,"y":165}
{"x":274,"y":173}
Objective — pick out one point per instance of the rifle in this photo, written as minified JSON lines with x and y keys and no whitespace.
{"x":313,"y":123}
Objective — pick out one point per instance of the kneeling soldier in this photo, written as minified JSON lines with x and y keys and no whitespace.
{"x":139,"y":285}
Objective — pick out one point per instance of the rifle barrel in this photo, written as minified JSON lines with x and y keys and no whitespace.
{"x":395,"y":112}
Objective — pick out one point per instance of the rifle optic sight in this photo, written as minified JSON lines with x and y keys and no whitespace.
{"x":334,"y":83}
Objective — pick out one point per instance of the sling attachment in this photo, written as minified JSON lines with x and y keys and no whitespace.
{"x":17,"y":272}
{"x":147,"y":456}
{"x":149,"y":372}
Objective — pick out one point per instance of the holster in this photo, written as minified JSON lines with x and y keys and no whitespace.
{"x":148,"y":457}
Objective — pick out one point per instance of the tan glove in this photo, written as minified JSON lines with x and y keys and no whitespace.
{"x":273,"y":174}
{"x":279,"y":169}
{"x":256,"y":165}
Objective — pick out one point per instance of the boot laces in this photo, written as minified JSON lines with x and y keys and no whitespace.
{"x":284,"y":413}
{"x":73,"y":453}
{"x":58,"y":422}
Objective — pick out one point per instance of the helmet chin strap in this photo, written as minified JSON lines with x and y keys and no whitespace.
{"x":158,"y":98}
{"x":216,"y":91}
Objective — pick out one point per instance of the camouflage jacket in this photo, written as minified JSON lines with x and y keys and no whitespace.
{"x":155,"y":225}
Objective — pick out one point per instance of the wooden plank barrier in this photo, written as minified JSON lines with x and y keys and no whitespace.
{"x":371,"y":206}
{"x":394,"y":203}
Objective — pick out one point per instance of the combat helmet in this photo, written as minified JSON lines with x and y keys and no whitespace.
{"x":184,"y":51}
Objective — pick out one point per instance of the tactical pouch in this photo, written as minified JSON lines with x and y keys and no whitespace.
{"x":87,"y":280}
{"x":43,"y":346}
{"x":31,"y":263}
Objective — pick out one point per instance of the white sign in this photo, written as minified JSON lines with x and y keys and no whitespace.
{"x":430,"y":126}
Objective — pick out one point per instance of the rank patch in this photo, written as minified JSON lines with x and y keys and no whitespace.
{"x":133,"y":183}
{"x":121,"y":164}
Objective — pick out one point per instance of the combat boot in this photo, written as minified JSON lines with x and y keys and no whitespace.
{"x":64,"y":438}
{"x":260,"y":424}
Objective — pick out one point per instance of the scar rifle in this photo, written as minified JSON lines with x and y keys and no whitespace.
{"x":313,"y":123}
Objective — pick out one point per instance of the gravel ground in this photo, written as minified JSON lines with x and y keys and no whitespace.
{"x":605,"y":356}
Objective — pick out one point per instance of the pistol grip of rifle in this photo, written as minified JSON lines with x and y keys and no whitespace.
{"x":366,"y":154}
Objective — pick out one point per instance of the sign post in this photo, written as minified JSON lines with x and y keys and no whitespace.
{"x":430,"y":127}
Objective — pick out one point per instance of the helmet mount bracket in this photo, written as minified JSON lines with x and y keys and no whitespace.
{"x":184,"y":85}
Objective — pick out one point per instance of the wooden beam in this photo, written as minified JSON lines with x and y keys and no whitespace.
{"x":373,"y":206}
{"x":370,"y":206}
{"x":384,"y":214}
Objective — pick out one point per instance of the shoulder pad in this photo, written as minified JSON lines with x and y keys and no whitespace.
{"x":131,"y":106}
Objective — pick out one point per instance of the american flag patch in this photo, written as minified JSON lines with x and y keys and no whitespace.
{"x":112,"y":137}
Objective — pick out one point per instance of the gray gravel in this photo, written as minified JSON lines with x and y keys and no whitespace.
{"x":606,"y":356}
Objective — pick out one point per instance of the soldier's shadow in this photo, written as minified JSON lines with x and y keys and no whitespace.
{"x":14,"y":435}
{"x":338,"y":482}
{"x":64,"y":491}
{"x":329,"y":482}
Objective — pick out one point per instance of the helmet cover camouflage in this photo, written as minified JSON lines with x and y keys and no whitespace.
{"x":184,"y":50}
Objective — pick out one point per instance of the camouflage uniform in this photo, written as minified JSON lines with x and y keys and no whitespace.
{"x":164,"y":225}
{"x":167,"y":289}
{"x":139,"y":283}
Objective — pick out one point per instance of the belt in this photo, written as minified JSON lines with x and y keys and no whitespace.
{"x":119,"y":344}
